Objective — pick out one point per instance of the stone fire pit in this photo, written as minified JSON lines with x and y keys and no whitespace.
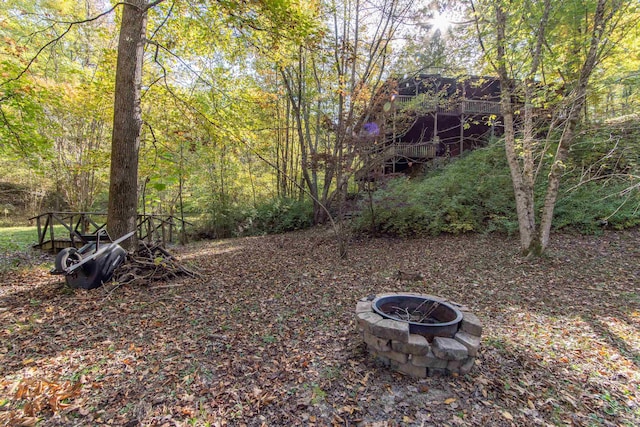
{"x":419,"y":335}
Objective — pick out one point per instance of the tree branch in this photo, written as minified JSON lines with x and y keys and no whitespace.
{"x":153,"y":4}
{"x":55,"y":40}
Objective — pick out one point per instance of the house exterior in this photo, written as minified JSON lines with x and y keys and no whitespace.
{"x":432,"y":116}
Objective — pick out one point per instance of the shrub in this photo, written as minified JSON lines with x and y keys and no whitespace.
{"x":281,"y":215}
{"x":591,"y":206}
{"x":221,"y":221}
{"x":473,"y":193}
{"x":272,"y":216}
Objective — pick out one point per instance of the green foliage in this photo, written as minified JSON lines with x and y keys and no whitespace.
{"x":215,"y":114}
{"x":281,"y":215}
{"x":222,"y":220}
{"x":473,"y":193}
{"x":269,"y":217}
{"x":594,"y":205}
{"x":601,"y":187}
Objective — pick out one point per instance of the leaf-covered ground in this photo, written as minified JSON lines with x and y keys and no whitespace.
{"x":268,"y":337}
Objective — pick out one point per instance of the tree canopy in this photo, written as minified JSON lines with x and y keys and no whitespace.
{"x":247,"y":101}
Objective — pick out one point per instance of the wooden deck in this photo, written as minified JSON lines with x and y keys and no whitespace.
{"x":445,"y":106}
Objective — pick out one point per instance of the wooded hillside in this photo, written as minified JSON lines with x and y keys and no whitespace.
{"x":253,"y":110}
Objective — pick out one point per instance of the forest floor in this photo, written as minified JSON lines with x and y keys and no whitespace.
{"x":268,"y":337}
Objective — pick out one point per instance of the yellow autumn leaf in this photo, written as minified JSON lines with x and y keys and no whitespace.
{"x":507,"y":415}
{"x":449,"y":401}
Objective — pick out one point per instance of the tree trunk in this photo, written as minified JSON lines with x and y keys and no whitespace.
{"x":578,"y":98}
{"x":533,"y":238}
{"x":127,"y":122}
{"x":522,"y":185}
{"x":522,"y":188}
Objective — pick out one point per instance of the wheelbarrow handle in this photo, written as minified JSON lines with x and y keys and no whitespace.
{"x":88,"y":258}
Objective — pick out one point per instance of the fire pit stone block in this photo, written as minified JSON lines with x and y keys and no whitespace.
{"x":380,"y":359}
{"x":467,"y":365}
{"x":436,"y":372}
{"x":391,"y":329}
{"x":429,"y":361}
{"x":449,"y":349}
{"x":392,"y":345}
{"x":410,"y":369}
{"x":471,"y":342}
{"x":417,"y":345}
{"x":454,"y":365}
{"x":378,"y":344}
{"x":470,"y":323}
{"x":367,"y":320}
{"x":397,"y":357}
{"x":363,"y":307}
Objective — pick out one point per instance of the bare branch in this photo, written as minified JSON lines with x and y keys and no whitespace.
{"x":153,"y":4}
{"x":55,"y":40}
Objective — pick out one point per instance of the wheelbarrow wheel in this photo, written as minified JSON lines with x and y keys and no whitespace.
{"x":66,"y":258}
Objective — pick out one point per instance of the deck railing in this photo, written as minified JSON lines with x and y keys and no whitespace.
{"x":420,"y":150}
{"x":458,"y":106}
{"x":79,"y":227}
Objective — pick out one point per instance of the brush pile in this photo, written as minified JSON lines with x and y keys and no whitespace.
{"x":150,"y":263}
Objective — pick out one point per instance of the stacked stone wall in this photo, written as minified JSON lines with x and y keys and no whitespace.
{"x":391,"y":343}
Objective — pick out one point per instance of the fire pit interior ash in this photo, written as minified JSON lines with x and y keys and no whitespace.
{"x":419,"y":335}
{"x":425,"y":316}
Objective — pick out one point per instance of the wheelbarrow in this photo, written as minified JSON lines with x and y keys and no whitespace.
{"x":92,"y":265}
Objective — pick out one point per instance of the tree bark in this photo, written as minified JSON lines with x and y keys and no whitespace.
{"x":601,"y":19}
{"x":127,"y":122}
{"x":534,"y":238}
{"x":522,"y":185}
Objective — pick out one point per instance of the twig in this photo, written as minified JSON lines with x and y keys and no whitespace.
{"x":150,"y":263}
{"x":118,"y":284}
{"x":416,"y":315}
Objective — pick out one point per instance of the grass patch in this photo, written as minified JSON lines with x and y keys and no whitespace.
{"x":16,"y":247}
{"x":23,"y":238}
{"x":17,"y":238}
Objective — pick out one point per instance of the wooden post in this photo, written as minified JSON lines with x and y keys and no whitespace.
{"x":51,"y":233}
{"x":435,"y":124}
{"x":40,"y":235}
{"x":461,"y":133}
{"x":393,"y":142}
{"x":150,"y":228}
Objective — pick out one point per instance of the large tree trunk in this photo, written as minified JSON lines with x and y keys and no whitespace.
{"x":522,"y":186}
{"x":127,"y":122}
